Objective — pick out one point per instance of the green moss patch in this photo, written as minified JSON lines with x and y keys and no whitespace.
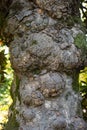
{"x":80,"y":41}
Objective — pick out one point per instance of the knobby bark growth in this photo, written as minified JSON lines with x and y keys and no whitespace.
{"x":46,"y":58}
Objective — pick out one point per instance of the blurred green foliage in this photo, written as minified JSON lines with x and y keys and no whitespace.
{"x":6,"y":77}
{"x":83,"y":9}
{"x":83,"y":90}
{"x":83,"y":73}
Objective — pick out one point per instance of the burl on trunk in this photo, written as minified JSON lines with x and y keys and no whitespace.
{"x":46,"y":59}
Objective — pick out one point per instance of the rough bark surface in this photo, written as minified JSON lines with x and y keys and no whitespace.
{"x":46,"y":64}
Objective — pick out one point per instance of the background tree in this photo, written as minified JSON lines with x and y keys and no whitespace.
{"x":2,"y":66}
{"x":83,"y":7}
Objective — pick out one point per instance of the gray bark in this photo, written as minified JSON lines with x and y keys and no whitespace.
{"x":46,"y":63}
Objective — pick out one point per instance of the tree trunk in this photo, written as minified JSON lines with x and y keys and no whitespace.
{"x":46,"y":59}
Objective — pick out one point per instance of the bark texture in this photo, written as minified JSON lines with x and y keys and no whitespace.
{"x":46,"y":64}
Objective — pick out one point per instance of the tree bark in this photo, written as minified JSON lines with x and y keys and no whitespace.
{"x":46,"y":63}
